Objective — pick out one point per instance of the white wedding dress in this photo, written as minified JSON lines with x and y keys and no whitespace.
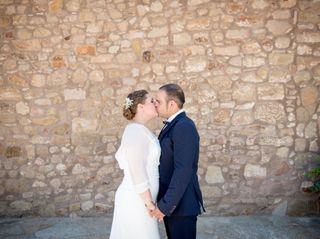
{"x":138,"y":156}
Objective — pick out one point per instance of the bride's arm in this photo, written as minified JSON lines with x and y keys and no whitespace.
{"x":136,"y":144}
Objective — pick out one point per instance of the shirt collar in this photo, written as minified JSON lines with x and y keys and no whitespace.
{"x":174,"y":115}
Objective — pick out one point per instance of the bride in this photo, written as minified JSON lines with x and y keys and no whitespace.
{"x":138,"y":156}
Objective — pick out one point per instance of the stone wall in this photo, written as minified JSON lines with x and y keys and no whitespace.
{"x":250,"y":71}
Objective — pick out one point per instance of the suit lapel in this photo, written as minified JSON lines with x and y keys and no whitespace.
{"x":171,"y":124}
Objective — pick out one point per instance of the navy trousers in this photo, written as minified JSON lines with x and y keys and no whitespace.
{"x":181,"y":227}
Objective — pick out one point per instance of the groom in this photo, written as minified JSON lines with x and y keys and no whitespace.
{"x":179,"y":199}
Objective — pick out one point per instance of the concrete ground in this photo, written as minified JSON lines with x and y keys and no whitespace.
{"x":244,"y":227}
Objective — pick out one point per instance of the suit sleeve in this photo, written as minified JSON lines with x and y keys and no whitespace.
{"x":186,"y":147}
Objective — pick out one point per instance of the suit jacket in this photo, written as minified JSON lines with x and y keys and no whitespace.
{"x":179,"y":190}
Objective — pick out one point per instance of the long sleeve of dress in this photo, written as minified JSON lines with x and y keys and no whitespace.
{"x":135,"y":145}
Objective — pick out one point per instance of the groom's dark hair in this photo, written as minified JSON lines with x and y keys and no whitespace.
{"x":174,"y":93}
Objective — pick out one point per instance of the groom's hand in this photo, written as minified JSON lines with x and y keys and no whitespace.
{"x":158,"y":214}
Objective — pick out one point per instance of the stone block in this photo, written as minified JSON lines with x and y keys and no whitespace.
{"x":195,"y":64}
{"x":126,"y":58}
{"x":39,"y":184}
{"x":278,"y":27}
{"x":309,"y":95}
{"x":197,"y":2}
{"x":304,"y":50}
{"x":314,"y":146}
{"x":5,"y":21}
{"x":13,"y":151}
{"x":211,"y":192}
{"x":308,"y":37}
{"x":281,"y":209}
{"x":287,"y":3}
{"x":234,"y":7}
{"x":79,"y":76}
{"x":281,"y":168}
{"x":214,"y":175}
{"x":21,"y":205}
{"x":45,"y":120}
{"x":220,"y":83}
{"x":300,"y":145}
{"x":251,"y":47}
{"x":58,"y":77}
{"x":260,"y":4}
{"x":280,"y":58}
{"x":279,"y":75}
{"x":79,"y":169}
{"x":96,"y":76}
{"x":302,"y":77}
{"x":24,"y":34}
{"x":84,"y":50}
{"x":57,"y":62}
{"x":221,"y":116}
{"x":282,"y":42}
{"x":84,"y":125}
{"x":74,"y":94}
{"x":271,"y":92}
{"x":216,"y":36}
{"x":158,"y":32}
{"x":86,"y":206}
{"x":18,"y":80}
{"x":242,"y":118}
{"x":17,"y":185}
{"x":270,"y":112}
{"x":198,"y":24}
{"x":47,"y":210}
{"x":182,"y":39}
{"x":75,"y":207}
{"x":310,"y":130}
{"x":226,"y":50}
{"x":28,"y":45}
{"x":8,"y":94}
{"x":27,"y":171}
{"x":251,"y":61}
{"x":250,"y":21}
{"x":72,"y":5}
{"x":87,"y":16}
{"x":55,"y":6}
{"x":244,"y":92}
{"x":253,"y":171}
{"x":38,"y":80}
{"x":22,"y":108}
{"x":282,"y":152}
{"x":238,"y":34}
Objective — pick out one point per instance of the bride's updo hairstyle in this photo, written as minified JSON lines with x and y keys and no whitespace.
{"x":131,"y":103}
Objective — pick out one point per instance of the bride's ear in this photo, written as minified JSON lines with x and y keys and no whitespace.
{"x":139,"y":106}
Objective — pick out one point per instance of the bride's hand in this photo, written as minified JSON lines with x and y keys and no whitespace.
{"x":150,"y":207}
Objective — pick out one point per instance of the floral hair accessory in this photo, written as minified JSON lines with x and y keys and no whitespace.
{"x":128,"y":103}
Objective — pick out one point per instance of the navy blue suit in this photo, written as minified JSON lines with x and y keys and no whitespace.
{"x":179,"y":191}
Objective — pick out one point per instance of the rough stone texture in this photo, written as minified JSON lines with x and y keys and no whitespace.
{"x":214,"y":175}
{"x":250,"y":71}
{"x":254,"y":171}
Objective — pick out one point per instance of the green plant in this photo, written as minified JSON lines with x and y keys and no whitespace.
{"x":313,"y":174}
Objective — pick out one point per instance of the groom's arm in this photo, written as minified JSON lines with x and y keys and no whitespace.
{"x":185,"y":140}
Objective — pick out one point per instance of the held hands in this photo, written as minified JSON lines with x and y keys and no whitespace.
{"x":154,"y":211}
{"x":157,"y":214}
